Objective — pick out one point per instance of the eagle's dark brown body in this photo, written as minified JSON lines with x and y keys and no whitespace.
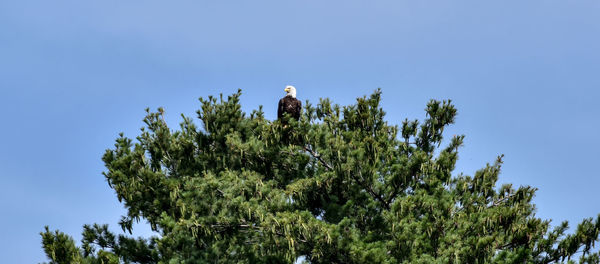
{"x":290,"y":105}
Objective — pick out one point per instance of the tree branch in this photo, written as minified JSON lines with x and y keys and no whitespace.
{"x":503,"y":199}
{"x":372,"y":192}
{"x":318,"y":157}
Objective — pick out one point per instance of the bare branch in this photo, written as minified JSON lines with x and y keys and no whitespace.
{"x":498,"y":202}
{"x":318,"y":157}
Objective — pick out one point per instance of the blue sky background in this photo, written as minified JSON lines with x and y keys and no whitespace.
{"x":524,"y":75}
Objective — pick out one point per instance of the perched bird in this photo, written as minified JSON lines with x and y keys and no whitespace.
{"x":289,"y":104}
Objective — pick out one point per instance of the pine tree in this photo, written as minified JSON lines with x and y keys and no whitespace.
{"x":344,"y":187}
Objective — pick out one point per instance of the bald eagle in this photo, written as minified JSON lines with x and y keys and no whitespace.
{"x":289,"y":104}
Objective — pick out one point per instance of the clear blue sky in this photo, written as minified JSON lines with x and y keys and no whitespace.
{"x":524,"y":75}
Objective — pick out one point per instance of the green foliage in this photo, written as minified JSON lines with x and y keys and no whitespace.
{"x":341,"y":185}
{"x":59,"y":247}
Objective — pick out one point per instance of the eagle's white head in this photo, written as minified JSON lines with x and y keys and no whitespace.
{"x":291,"y":91}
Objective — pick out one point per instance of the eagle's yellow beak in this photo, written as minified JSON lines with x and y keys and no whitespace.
{"x":286,"y":89}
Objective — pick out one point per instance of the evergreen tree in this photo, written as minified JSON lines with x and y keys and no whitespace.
{"x":343,"y":187}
